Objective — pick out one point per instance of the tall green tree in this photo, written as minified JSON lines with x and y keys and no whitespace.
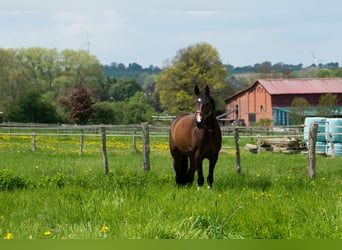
{"x":327,"y":105}
{"x":32,"y":107}
{"x":199,"y":64}
{"x":103,"y":113}
{"x":137,"y":109}
{"x":78,"y":67}
{"x":325,"y":73}
{"x":14,"y":77}
{"x":124,"y":89}
{"x":299,"y":109}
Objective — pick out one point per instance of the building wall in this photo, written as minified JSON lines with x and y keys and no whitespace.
{"x":253,"y":104}
{"x":313,"y":99}
{"x":256,"y":103}
{"x":286,"y":100}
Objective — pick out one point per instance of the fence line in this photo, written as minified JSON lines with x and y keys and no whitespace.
{"x":26,"y":129}
{"x":118,"y":130}
{"x":146,"y":129}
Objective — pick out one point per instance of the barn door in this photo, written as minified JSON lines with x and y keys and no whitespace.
{"x":251,"y":118}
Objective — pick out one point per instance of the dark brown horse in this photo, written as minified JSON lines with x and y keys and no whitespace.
{"x":196,"y":137}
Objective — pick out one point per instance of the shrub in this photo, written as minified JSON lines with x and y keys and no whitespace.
{"x":9,"y":181}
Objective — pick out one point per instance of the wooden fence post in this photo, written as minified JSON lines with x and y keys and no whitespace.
{"x":135,"y":143}
{"x":258,"y":144}
{"x":81,"y":142}
{"x":237,"y":148}
{"x":58,"y":129}
{"x":34,"y":141}
{"x":312,"y":150}
{"x":332,"y":146}
{"x":146,"y":146}
{"x":104,"y":150}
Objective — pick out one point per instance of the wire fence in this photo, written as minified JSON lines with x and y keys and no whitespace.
{"x":146,"y":130}
{"x":127,"y":130}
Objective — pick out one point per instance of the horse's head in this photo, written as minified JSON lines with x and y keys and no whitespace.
{"x":204,"y":106}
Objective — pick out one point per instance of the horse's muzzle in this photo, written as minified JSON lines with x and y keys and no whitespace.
{"x":199,"y":124}
{"x":198,"y":117}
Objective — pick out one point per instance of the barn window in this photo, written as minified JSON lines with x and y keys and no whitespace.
{"x":260,"y":89}
{"x":262,"y":108}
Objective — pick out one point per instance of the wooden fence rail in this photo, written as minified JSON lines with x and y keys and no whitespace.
{"x":84,"y":131}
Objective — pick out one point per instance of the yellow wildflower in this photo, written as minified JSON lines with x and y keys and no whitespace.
{"x":47,"y":233}
{"x":9,"y":236}
{"x":104,"y":229}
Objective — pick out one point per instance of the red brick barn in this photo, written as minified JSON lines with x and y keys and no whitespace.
{"x":271,"y":98}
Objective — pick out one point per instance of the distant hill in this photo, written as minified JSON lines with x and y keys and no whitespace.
{"x":119,"y":70}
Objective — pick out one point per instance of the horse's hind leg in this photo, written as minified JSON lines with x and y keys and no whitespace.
{"x":196,"y":164}
{"x":191,"y":172}
{"x":200,"y":177}
{"x":180,"y":165}
{"x":184,"y":169}
{"x":210,"y":178}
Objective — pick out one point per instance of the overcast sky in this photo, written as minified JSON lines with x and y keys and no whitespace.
{"x":150,"y":32}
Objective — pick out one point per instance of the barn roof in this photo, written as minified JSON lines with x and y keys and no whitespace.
{"x":297,"y":86}
{"x":302,"y":85}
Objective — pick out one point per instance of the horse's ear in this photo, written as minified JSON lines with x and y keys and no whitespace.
{"x":196,"y":90}
{"x":207,"y":91}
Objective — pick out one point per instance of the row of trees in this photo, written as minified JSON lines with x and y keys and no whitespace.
{"x":32,"y":80}
{"x":268,"y":67}
{"x":47,"y":85}
{"x":119,"y":70}
{"x":39,"y":85}
{"x":301,"y":108}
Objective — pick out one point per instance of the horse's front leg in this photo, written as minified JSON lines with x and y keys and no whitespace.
{"x":200,"y":180}
{"x":212,"y":163}
{"x":199,"y":162}
{"x":192,"y":170}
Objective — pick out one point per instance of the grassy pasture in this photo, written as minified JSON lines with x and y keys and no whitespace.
{"x":54,"y":193}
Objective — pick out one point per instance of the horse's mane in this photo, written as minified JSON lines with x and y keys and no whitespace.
{"x":213,"y":104}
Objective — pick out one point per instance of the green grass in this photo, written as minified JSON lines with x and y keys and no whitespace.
{"x":55,"y":193}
